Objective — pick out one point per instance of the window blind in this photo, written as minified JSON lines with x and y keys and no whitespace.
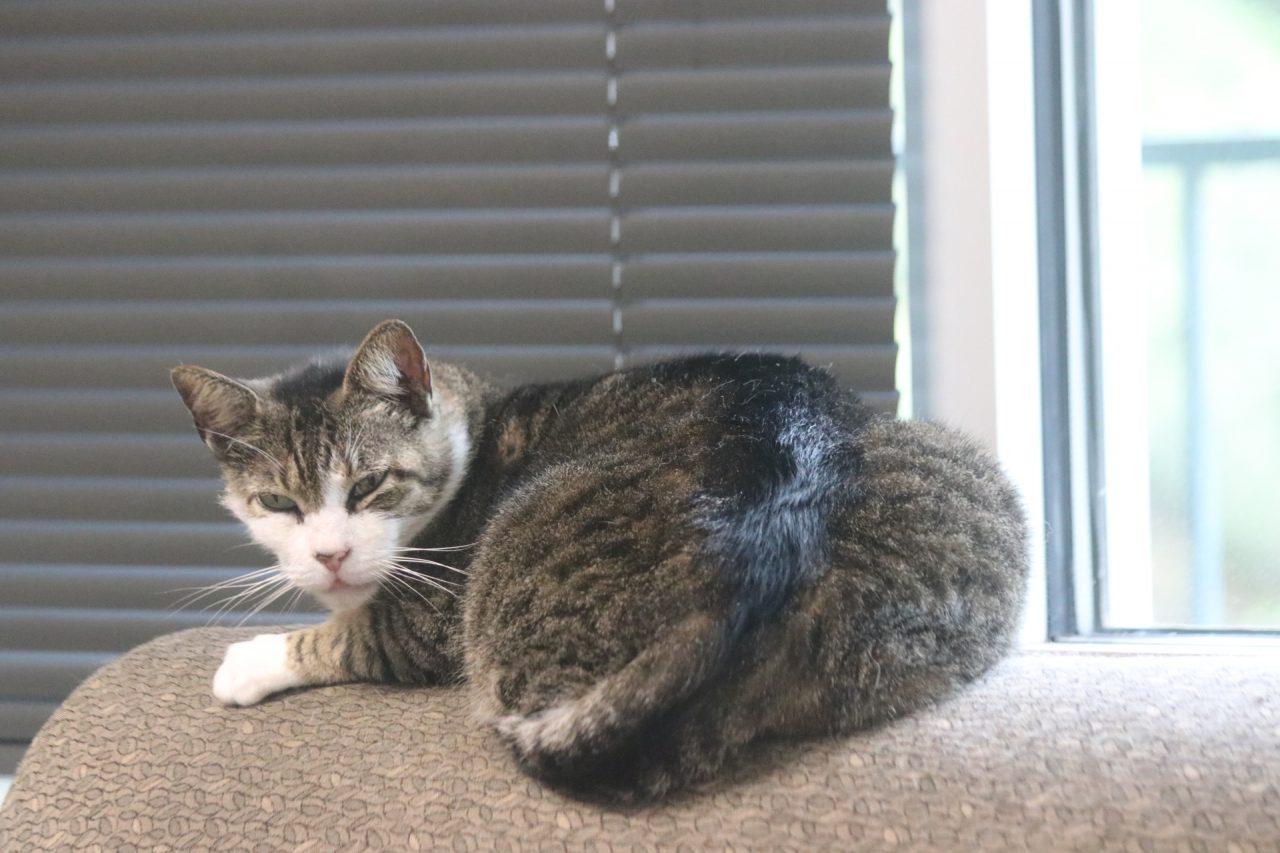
{"x":540,"y":189}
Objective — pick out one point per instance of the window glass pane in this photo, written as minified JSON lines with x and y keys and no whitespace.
{"x":1208,"y":267}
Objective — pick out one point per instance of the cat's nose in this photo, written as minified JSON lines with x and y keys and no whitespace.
{"x":332,"y":561}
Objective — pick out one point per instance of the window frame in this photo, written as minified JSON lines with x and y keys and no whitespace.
{"x":1072,"y":370}
{"x":969,"y":152}
{"x":1011,"y":350}
{"x":1070,"y":363}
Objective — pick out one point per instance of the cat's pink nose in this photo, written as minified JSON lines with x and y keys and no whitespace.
{"x":333,"y":561}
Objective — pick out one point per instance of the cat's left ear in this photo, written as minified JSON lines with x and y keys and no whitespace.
{"x":390,"y":363}
{"x":220,"y":406}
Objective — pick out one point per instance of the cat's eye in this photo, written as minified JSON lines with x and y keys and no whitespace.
{"x":276,"y":503}
{"x":366,"y":484}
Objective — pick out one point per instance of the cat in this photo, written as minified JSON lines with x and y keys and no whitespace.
{"x":637,"y":574}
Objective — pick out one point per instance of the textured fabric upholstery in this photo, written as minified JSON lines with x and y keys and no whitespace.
{"x":1052,"y":751}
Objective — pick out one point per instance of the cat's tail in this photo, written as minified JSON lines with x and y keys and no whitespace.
{"x":631,"y":735}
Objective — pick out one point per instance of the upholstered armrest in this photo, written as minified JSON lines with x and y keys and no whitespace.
{"x":1052,"y":750}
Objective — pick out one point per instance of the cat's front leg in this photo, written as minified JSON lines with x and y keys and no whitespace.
{"x":270,"y":663}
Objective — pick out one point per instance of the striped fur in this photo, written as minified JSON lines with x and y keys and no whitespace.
{"x":659,"y":565}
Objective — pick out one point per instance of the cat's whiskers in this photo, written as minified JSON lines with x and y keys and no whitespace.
{"x":251,"y":589}
{"x":255,"y":611}
{"x":390,"y":590}
{"x":441,"y":548}
{"x":195,"y":593}
{"x":404,"y":574}
{"x":409,"y":571}
{"x":293,"y":602}
{"x":443,"y":585}
{"x":262,"y":588}
{"x":401,"y":583}
{"x":424,"y":561}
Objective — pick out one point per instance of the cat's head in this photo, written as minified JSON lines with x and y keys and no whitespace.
{"x":334,"y":467}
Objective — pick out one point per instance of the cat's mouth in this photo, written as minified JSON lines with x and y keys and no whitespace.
{"x":340,"y":585}
{"x":341,"y":594}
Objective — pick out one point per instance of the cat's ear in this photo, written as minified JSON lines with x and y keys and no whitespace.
{"x":220,"y":406}
{"x":390,"y":364}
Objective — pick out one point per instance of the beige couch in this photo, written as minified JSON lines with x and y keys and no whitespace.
{"x":1055,"y":750}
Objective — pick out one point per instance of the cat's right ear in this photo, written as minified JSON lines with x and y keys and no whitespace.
{"x":390,"y":364}
{"x":220,"y":406}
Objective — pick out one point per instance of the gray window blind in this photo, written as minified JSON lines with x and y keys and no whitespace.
{"x":540,"y":188}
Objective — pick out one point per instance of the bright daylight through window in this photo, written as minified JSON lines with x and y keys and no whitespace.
{"x":1188,"y":149}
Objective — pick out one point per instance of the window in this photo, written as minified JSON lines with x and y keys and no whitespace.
{"x":1159,"y":164}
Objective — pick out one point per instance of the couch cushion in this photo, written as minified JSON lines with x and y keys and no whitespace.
{"x":1053,"y":750}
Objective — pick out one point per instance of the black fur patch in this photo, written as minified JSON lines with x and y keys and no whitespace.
{"x":783,"y":466}
{"x":305,"y":387}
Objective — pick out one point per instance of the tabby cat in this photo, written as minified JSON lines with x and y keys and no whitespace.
{"x":636,"y":573}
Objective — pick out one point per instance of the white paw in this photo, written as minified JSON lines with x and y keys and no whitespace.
{"x":253,"y":670}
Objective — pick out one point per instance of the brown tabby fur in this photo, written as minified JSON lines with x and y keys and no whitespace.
{"x":675,"y":560}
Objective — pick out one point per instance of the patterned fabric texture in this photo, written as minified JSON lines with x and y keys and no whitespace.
{"x":1052,"y":751}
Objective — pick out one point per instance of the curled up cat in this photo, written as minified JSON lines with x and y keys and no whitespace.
{"x":636,"y":574}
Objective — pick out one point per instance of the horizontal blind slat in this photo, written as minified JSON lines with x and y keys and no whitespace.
{"x":421,"y":96}
{"x":758,"y":229}
{"x":10,"y":755}
{"x":493,"y":140}
{"x":44,"y":17}
{"x":796,"y":135}
{"x":760,"y":274}
{"x":475,"y":278}
{"x":391,"y":187}
{"x":775,"y":42}
{"x":437,"y":322}
{"x":114,"y":499}
{"x":21,"y":719}
{"x":743,"y":90}
{"x":721,"y":323}
{"x":631,"y":11}
{"x":45,"y":675}
{"x":108,"y":366}
{"x":798,"y":182}
{"x":566,"y":230}
{"x":125,"y":587}
{"x":492,"y":47}
{"x":311,"y":97}
{"x":100,"y":629}
{"x":151,"y":543}
{"x":46,"y":451}
{"x":49,"y":17}
{"x":317,"y":188}
{"x":80,"y":410}
{"x":381,"y":277}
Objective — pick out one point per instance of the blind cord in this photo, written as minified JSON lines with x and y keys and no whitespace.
{"x":615,"y":176}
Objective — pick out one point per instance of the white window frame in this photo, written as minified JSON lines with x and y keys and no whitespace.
{"x":972,"y":238}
